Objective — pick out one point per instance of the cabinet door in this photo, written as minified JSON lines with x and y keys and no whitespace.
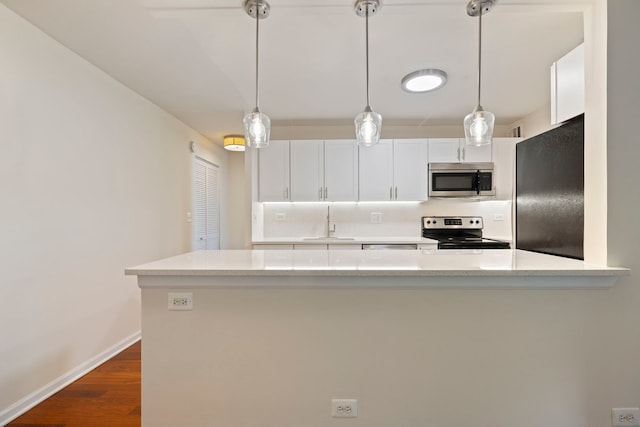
{"x":375,"y":171}
{"x":410,"y":169}
{"x":444,"y":150}
{"x":273,"y":172}
{"x":567,"y":86}
{"x":474,"y":154}
{"x":504,"y":155}
{"x":307,"y":170}
{"x":341,"y":170}
{"x":272,"y":246}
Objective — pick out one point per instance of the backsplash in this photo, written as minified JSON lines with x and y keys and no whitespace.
{"x":397,"y":219}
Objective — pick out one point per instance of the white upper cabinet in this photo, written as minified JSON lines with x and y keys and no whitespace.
{"x":324,"y":171}
{"x":376,"y":171}
{"x":341,"y":171}
{"x":394,"y":170}
{"x":410,"y":169}
{"x":273,"y":172}
{"x":567,"y":86}
{"x":307,"y":171}
{"x":455,"y":150}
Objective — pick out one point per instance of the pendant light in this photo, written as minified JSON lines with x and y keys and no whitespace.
{"x":257,"y":126}
{"x":478,"y":125}
{"x":368,"y":123}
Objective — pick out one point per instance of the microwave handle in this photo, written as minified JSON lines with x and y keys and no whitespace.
{"x":478,"y":182}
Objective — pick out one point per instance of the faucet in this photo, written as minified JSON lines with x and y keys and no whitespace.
{"x":331,"y":228}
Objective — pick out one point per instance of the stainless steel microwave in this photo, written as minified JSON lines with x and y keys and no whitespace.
{"x":461,"y":180}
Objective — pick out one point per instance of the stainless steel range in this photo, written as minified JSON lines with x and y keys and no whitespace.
{"x":459,"y":232}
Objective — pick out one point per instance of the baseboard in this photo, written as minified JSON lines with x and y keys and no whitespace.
{"x":31,"y":400}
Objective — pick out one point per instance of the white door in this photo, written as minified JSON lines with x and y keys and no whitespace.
{"x":206,"y":211}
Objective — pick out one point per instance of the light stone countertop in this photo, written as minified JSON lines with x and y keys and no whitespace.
{"x":386,"y":240}
{"x":353,"y":264}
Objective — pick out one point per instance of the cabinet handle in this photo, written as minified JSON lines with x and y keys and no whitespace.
{"x":463,"y":155}
{"x":459,"y":158}
{"x":390,"y":193}
{"x":396,"y":193}
{"x":320,"y":193}
{"x":286,"y":193}
{"x":326,"y":193}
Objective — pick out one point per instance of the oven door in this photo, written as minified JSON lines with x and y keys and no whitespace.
{"x":461,"y":179}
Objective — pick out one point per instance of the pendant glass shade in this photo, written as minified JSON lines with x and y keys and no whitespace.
{"x":478,"y":127}
{"x":257,"y":127}
{"x":368,"y":127}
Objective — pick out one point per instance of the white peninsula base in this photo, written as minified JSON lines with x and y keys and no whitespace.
{"x":273,"y":337}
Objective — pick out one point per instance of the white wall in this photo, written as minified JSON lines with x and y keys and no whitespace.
{"x":614,"y":354}
{"x":399,"y":219}
{"x":93,"y":179}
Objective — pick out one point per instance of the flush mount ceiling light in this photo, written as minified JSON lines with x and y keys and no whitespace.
{"x":368,"y":123}
{"x":424,"y":80}
{"x":257,"y":125}
{"x":234,"y":142}
{"x":478,"y":125}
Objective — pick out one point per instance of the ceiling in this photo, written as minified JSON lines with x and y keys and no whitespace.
{"x":196,"y":58}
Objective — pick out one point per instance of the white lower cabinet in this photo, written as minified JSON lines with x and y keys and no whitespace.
{"x":310,"y":247}
{"x":272,"y":246}
{"x":348,"y":247}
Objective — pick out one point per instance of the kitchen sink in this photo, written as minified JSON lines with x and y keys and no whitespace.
{"x":328,"y":238}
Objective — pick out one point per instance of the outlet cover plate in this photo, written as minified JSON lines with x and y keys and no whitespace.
{"x":625,"y":417}
{"x":344,"y":408}
{"x":180,"y":301}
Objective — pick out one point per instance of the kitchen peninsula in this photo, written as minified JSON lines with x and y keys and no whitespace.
{"x":295,"y":329}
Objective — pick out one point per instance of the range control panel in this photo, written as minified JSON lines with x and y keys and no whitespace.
{"x":452,"y":222}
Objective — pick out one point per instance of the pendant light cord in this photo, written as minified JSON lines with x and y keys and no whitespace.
{"x":367,"y":47}
{"x":257,"y":33}
{"x":479,"y":52}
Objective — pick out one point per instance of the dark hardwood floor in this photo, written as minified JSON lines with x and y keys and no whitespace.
{"x":107,"y":396}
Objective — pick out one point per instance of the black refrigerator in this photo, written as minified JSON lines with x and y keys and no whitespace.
{"x":550,"y":191}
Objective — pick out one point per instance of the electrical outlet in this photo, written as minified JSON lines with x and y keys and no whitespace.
{"x":376,"y":217}
{"x":281,"y":216}
{"x":498,"y":217}
{"x":625,"y":417}
{"x":180,"y":301}
{"x":344,"y":408}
